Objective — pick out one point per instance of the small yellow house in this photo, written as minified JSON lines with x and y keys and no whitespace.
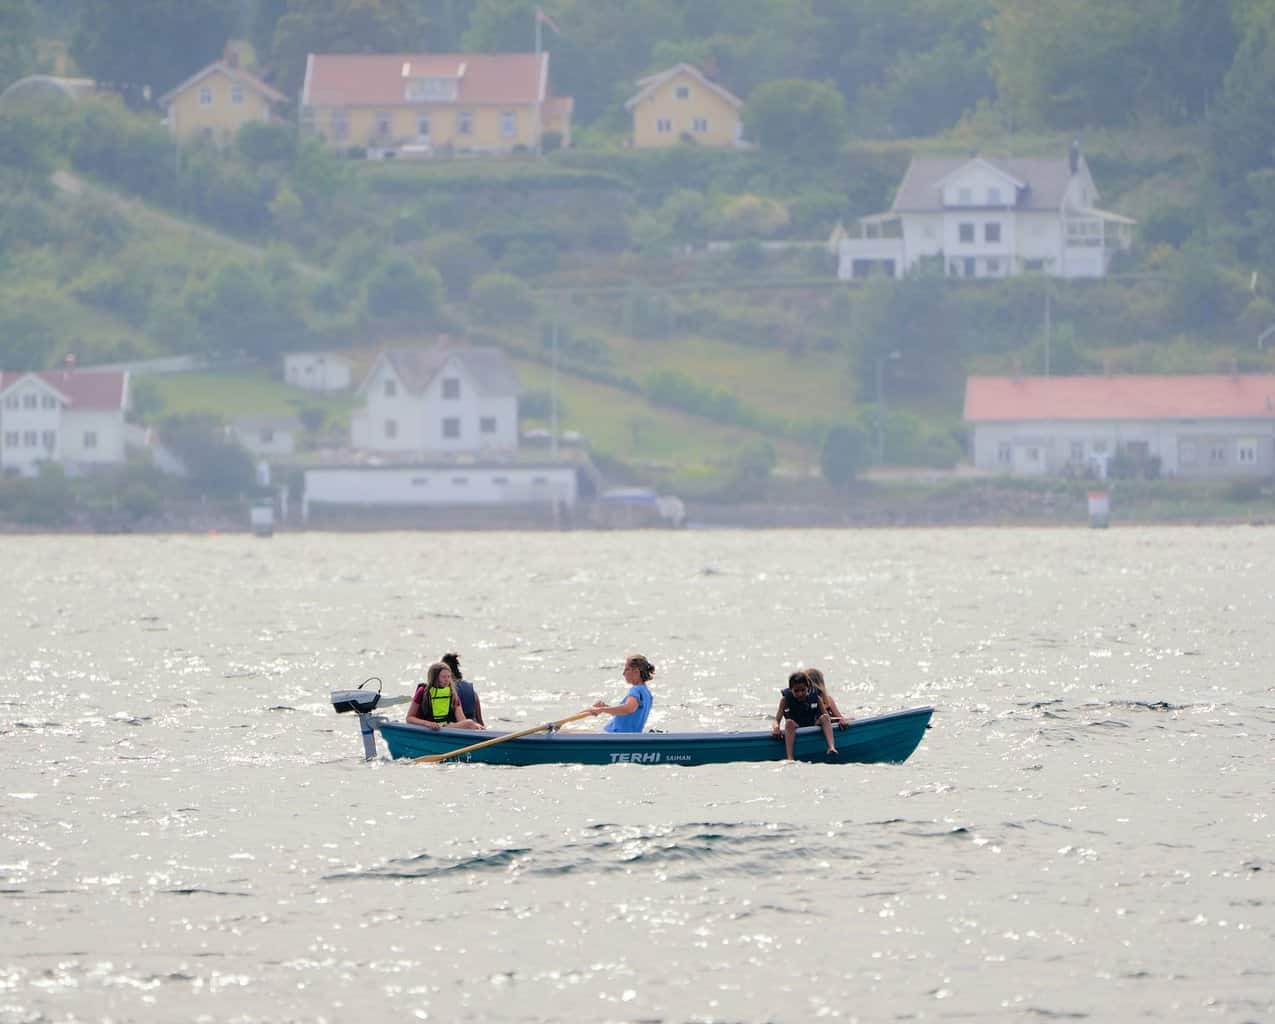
{"x":218,"y":101}
{"x":683,"y":105}
{"x":426,"y":103}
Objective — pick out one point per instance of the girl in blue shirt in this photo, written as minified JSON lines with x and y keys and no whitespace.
{"x":630,"y":714}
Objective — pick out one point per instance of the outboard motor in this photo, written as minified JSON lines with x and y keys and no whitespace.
{"x":363,"y":703}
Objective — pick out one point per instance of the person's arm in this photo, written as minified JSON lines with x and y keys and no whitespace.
{"x":835,"y":711}
{"x":779,"y":715}
{"x":625,"y":707}
{"x":478,"y":710}
{"x":458,"y":707}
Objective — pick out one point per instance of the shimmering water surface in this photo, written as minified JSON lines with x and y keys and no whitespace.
{"x":190,"y":833}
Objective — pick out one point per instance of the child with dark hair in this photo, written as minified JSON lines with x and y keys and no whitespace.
{"x":469,"y":702}
{"x":801,"y":705}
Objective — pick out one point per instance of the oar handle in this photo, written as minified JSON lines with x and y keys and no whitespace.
{"x":546,"y":727}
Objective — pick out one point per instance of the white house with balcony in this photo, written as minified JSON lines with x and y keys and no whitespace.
{"x":988,"y":217}
{"x":71,"y":417}
{"x":1198,"y":426}
{"x":445,"y":400}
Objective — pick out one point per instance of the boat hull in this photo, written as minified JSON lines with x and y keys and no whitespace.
{"x":881,"y":739}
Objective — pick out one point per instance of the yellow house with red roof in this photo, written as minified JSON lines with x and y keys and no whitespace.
{"x":683,"y":104}
{"x":424,"y":103}
{"x":219,"y":100}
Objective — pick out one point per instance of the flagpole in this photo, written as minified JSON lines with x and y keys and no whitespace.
{"x":539,"y":89}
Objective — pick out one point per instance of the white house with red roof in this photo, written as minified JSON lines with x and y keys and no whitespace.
{"x":989,"y":217}
{"x":1204,"y":426}
{"x":72,"y":417}
{"x":424,"y":103}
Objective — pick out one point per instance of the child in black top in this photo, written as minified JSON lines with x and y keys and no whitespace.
{"x":802,"y":705}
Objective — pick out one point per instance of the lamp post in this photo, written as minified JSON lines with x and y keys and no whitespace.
{"x":880,"y":416}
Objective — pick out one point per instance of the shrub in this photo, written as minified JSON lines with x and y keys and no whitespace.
{"x":501,"y":298}
{"x":844,"y":454}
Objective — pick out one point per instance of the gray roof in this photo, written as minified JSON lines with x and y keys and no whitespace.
{"x":1045,"y":180}
{"x":489,"y":366}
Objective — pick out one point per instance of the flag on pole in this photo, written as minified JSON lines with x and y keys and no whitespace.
{"x":544,"y":19}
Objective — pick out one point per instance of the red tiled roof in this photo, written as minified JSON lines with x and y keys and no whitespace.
{"x":104,"y":389}
{"x":1134,"y":397}
{"x":378,"y":79}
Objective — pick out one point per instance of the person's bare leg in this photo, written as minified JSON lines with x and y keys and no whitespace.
{"x":826,"y":724}
{"x":790,"y":733}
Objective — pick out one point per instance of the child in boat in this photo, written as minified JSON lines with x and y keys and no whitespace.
{"x":802,"y":705}
{"x":631,"y":713}
{"x":469,"y":702}
{"x":816,"y":680}
{"x":435,"y":703}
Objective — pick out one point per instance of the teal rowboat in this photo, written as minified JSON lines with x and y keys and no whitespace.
{"x":884,"y":738}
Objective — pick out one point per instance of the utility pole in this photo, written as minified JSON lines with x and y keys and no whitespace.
{"x":880,"y":416}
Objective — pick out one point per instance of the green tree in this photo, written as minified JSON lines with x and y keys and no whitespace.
{"x":217,"y":467}
{"x":844,"y":454}
{"x":17,"y":40}
{"x":341,"y":26}
{"x":797,"y":117}
{"x":501,"y":298}
{"x":145,"y":47}
{"x":398,"y":287}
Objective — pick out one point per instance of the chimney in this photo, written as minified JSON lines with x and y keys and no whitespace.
{"x":1073,"y":156}
{"x":230,"y":56}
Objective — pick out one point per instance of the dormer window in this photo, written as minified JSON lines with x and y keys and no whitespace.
{"x":426,"y":89}
{"x":994,"y":196}
{"x":205,"y":96}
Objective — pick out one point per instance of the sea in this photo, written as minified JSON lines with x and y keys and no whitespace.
{"x":188,"y":832}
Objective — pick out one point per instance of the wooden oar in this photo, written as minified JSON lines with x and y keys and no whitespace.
{"x":546,"y":727}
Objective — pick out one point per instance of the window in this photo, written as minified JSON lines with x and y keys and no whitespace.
{"x":464,"y":123}
{"x":965,"y":196}
{"x":451,"y":387}
{"x":48,"y":402}
{"x":1077,"y":451}
{"x":1033,"y":454}
{"x":340,"y":126}
{"x":11,"y":401}
{"x":965,"y":232}
{"x":29,"y":438}
{"x":431,"y":89}
{"x":49,"y":439}
{"x":423,"y":127}
{"x":993,"y":265}
{"x":451,"y":426}
{"x":11,"y":439}
{"x":205,"y":96}
{"x":1004,"y":454}
{"x":391,"y":388}
{"x":663,"y":125}
{"x":1217,"y":453}
{"x":508,"y":124}
{"x":971,"y":265}
{"x":383,"y":122}
{"x":236,"y":95}
{"x":699,"y":125}
{"x":1246,"y":451}
{"x":994,"y":196}
{"x":991,"y":232}
{"x":682,"y":92}
{"x":1033,"y":265}
{"x":29,"y":400}
{"x":391,"y":429}
{"x":487,"y":425}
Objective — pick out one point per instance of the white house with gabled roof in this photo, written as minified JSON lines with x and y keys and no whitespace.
{"x":71,"y":417}
{"x":989,"y":217}
{"x":441,"y":400}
